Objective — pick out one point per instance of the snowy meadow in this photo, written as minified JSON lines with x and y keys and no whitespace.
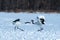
{"x":51,"y":30}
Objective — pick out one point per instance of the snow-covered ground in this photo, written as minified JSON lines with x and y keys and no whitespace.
{"x":51,"y":30}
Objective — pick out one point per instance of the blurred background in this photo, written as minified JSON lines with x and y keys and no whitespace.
{"x":30,"y":5}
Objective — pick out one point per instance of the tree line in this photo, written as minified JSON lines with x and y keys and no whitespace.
{"x":29,"y":5}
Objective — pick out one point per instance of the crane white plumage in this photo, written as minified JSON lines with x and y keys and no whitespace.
{"x":17,"y":24}
{"x":41,"y":19}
